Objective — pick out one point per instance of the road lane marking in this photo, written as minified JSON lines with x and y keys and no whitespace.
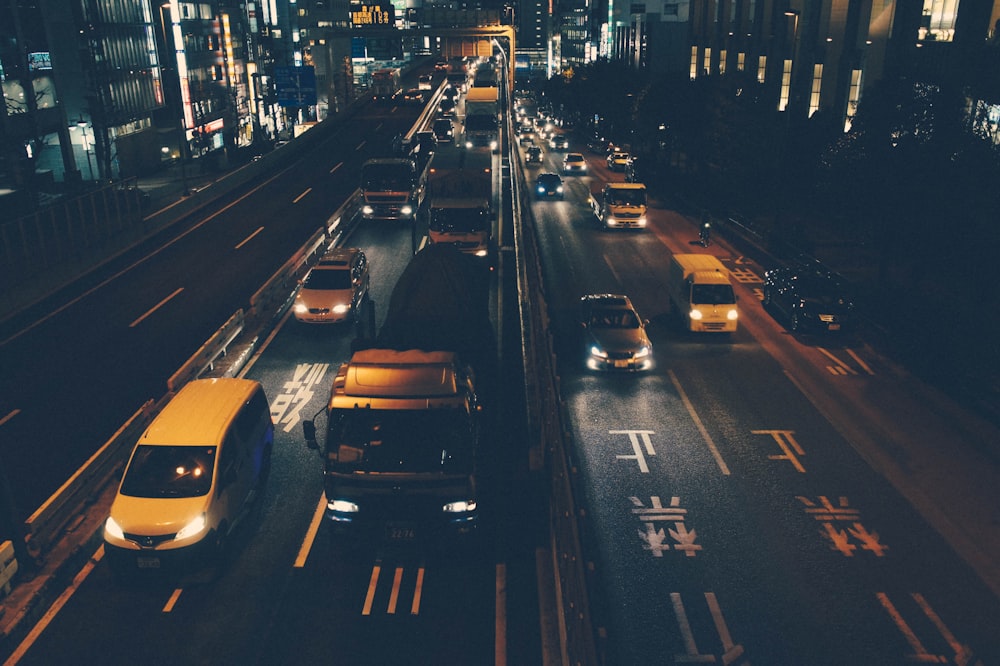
{"x":841,"y":367}
{"x":911,"y":638}
{"x":361,"y":145}
{"x":370,"y":597}
{"x":155,"y":308}
{"x":415,"y":606}
{"x":307,"y":542}
{"x":394,"y":593}
{"x":9,"y":416}
{"x":299,"y":198}
{"x":864,"y":366}
{"x":336,"y":166}
{"x":172,"y":601}
{"x":697,"y":421}
{"x":500,"y":617}
{"x":248,"y":238}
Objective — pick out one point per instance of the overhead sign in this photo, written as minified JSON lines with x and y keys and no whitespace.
{"x":374,"y":15}
{"x":295,"y":86}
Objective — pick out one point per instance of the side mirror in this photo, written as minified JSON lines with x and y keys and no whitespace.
{"x":309,"y":431}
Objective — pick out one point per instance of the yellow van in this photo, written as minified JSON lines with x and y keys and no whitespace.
{"x":192,"y":477}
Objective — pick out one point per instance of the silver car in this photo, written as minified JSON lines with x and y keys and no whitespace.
{"x":614,"y":334}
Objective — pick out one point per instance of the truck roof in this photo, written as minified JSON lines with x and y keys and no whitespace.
{"x":626,"y":186}
{"x":482,"y":94}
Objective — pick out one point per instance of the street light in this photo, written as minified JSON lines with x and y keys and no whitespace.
{"x":85,"y":141}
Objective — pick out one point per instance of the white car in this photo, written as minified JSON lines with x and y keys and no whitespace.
{"x":574,"y":163}
{"x":334,"y":288}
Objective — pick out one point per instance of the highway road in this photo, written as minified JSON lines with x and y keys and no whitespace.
{"x":748,"y":500}
{"x":737,"y":493}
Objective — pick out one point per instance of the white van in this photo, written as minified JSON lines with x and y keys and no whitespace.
{"x":192,"y":477}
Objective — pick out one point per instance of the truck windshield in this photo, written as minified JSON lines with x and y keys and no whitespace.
{"x":460,"y":219}
{"x":400,"y":440}
{"x":480,"y":121}
{"x":712,"y":294}
{"x":387,"y":176}
{"x":627,"y":197}
{"x":169,"y":471}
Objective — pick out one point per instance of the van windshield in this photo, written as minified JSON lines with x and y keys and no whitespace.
{"x":169,"y":471}
{"x":712,"y":294}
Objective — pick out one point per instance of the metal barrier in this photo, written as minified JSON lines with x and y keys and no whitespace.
{"x":8,"y":567}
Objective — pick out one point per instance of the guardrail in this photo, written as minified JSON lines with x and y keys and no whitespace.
{"x":580,"y":643}
{"x":8,"y":567}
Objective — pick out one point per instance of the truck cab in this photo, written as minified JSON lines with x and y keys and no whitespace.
{"x":620,"y":205}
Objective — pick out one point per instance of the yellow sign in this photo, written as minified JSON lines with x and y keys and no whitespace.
{"x":372,"y":15}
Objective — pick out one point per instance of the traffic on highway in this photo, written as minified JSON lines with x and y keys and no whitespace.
{"x":748,"y":480}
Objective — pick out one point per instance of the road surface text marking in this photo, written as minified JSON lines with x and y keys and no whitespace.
{"x":155,"y":308}
{"x":745,"y":276}
{"x":846,"y":541}
{"x":634,"y":436}
{"x":786,"y":440}
{"x":963,"y":655}
{"x":731,"y":652}
{"x":286,"y":407}
{"x":653,"y":536}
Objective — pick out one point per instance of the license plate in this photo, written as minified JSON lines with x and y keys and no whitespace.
{"x":621,"y":364}
{"x":834,"y":327}
{"x":149,"y":562}
{"x":400,"y":533}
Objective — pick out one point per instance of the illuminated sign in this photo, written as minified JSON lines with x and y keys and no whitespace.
{"x":381,"y":15}
{"x":39,"y":60}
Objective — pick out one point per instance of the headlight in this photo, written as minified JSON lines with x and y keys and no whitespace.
{"x":695,"y":314}
{"x":301,"y":308}
{"x":342,"y":506}
{"x":559,"y":189}
{"x":598,"y":352}
{"x":541,"y":190}
{"x":463,"y":506}
{"x":732,"y":315}
{"x":341,"y":308}
{"x":468,"y":144}
{"x":113,"y":529}
{"x":642,"y":221}
{"x":643,"y":352}
{"x":494,"y":145}
{"x":367,"y":210}
{"x":482,"y":253}
{"x":406,"y":210}
{"x":610,"y":221}
{"x":193,"y":528}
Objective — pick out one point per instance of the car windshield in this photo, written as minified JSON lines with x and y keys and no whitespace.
{"x":613,"y":319}
{"x":169,"y":471}
{"x":404,"y":441}
{"x":712,"y":294}
{"x":549,"y":181}
{"x":328,"y":279}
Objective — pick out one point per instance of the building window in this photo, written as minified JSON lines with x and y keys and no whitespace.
{"x":761,"y":68}
{"x":708,"y":60}
{"x":722,"y":61}
{"x":816,"y":87}
{"x":853,"y":97}
{"x":938,"y":20}
{"x":741,"y":59}
{"x":786,"y":84}
{"x":694,"y":63}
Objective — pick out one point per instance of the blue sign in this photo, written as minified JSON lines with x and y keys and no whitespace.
{"x":295,"y":86}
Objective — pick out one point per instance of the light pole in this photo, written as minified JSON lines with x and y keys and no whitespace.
{"x":85,"y":141}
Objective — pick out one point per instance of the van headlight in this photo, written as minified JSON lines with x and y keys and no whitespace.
{"x":695,"y":314}
{"x":406,"y":210}
{"x":462,"y":506}
{"x":732,"y":315}
{"x":194,"y":528}
{"x":367,"y":210}
{"x":113,"y":529}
